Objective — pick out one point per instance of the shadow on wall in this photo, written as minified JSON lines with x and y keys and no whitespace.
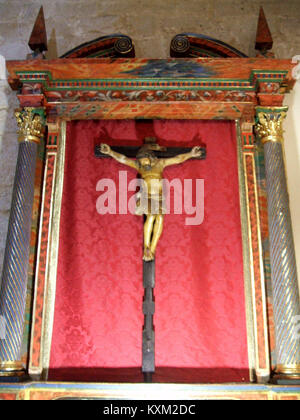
{"x":292,"y":152}
{"x":52,"y":52}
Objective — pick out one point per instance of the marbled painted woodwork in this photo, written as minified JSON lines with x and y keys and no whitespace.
{"x":8,"y":396}
{"x":231,"y":70}
{"x":141,"y":88}
{"x":257,"y":268}
{"x":43,"y":257}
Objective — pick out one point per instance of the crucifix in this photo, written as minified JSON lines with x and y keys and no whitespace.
{"x":149,"y":161}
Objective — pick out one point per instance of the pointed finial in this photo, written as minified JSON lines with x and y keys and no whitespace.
{"x":38,"y":37}
{"x":264,"y":40}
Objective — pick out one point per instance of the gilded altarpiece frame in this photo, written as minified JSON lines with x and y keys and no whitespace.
{"x":209,"y":89}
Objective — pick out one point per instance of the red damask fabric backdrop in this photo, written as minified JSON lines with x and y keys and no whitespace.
{"x":200,"y":320}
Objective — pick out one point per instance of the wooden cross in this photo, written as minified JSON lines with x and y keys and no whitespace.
{"x":123,"y":152}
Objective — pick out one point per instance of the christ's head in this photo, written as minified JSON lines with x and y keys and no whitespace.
{"x":146,"y":159}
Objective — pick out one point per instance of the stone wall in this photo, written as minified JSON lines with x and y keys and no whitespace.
{"x":151,"y":24}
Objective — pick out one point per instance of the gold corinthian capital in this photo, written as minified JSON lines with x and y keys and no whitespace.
{"x":31,"y":125}
{"x":269,"y":124}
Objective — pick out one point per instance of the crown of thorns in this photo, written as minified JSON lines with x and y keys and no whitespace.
{"x":147,"y":150}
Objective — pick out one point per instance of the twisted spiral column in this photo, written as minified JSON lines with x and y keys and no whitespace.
{"x":286,"y":303}
{"x":16,"y":259}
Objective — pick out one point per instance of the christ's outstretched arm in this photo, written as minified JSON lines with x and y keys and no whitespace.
{"x":195,"y":152}
{"x":105,"y":149}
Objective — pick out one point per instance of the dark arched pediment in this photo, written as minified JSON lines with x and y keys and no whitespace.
{"x":115,"y":46}
{"x":190,"y":45}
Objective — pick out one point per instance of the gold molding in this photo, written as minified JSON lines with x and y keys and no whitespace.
{"x":246,"y":257}
{"x":261,"y":373}
{"x":37,"y":370}
{"x":52,"y":256}
{"x":49,"y":307}
{"x":11,"y":368}
{"x":288,"y":371}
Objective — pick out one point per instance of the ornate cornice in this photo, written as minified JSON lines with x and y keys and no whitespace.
{"x":95,"y":86}
{"x":155,"y":82}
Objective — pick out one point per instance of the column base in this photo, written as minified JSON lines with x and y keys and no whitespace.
{"x":287,"y":374}
{"x":11,"y":370}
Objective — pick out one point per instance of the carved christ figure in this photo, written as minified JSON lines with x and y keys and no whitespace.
{"x":150,"y":168}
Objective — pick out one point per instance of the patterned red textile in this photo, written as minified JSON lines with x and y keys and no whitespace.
{"x":200,"y":320}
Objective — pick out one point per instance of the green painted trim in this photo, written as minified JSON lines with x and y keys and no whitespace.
{"x":130,"y":80}
{"x":46,"y":80}
{"x":152,"y":88}
{"x":159,"y":79}
{"x":271,"y":110}
{"x":257,"y":72}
